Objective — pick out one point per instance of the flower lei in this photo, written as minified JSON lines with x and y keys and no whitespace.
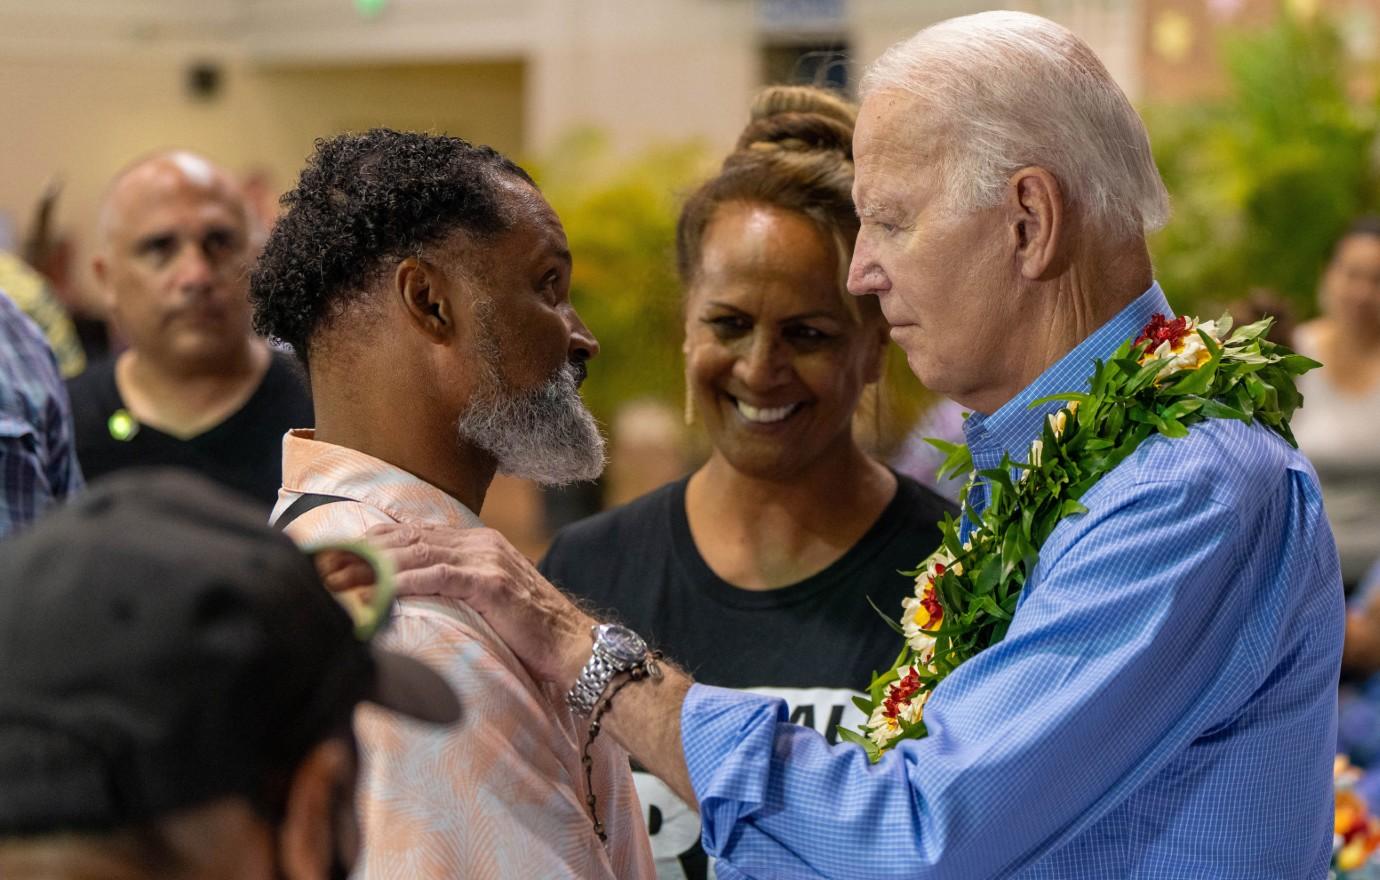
{"x":1356,"y":833}
{"x":1175,"y":373}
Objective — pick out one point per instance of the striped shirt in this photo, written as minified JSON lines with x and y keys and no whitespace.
{"x":1163,"y":705}
{"x":502,"y":795}
{"x":38,"y":459}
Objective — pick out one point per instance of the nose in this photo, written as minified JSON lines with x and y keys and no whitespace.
{"x":195,"y":271}
{"x":583,"y":345}
{"x":764,"y":365}
{"x":865,"y":275}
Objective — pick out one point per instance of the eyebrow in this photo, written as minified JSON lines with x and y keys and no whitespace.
{"x":802,"y":316}
{"x":153,"y":238}
{"x":875,"y":208}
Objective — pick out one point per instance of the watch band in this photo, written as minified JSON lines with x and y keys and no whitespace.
{"x":593,"y":681}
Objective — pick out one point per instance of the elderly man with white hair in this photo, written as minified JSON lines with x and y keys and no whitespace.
{"x":1162,"y":704}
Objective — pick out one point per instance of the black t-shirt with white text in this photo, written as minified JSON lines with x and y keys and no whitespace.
{"x":814,"y":644}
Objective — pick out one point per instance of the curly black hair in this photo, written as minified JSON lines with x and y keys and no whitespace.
{"x":363,"y":202}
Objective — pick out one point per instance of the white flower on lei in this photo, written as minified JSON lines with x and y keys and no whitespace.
{"x":914,"y":619}
{"x":1189,"y":353}
{"x":886,"y":721}
{"x":1059,"y":421}
{"x":882,"y":729}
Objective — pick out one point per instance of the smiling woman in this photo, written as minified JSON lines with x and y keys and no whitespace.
{"x":756,"y":571}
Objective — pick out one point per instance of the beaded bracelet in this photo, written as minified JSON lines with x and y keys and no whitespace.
{"x":646,"y":669}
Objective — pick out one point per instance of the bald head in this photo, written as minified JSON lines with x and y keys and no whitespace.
{"x":172,"y":260}
{"x":160,"y":172}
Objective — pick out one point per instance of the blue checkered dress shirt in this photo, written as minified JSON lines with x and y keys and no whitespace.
{"x":38,"y":460}
{"x":1163,"y":705}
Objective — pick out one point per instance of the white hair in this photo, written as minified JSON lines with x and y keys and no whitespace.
{"x":1010,"y":90}
{"x":545,"y":434}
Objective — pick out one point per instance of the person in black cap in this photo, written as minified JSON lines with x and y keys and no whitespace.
{"x":176,"y":689}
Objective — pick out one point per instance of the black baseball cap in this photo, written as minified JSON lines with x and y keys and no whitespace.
{"x":160,"y":647}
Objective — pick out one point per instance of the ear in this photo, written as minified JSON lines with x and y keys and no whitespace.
{"x":307,"y":840}
{"x":421,"y":289}
{"x":1037,"y":221}
{"x":100,"y":270}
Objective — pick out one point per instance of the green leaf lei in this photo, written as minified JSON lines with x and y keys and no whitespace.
{"x":1176,"y":373}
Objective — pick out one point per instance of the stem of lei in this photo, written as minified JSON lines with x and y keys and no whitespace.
{"x":1175,"y":374}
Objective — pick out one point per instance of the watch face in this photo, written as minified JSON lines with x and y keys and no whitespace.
{"x":621,"y":643}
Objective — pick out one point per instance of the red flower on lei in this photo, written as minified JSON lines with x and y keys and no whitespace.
{"x":900,"y":692}
{"x":1161,"y":330}
{"x":930,"y":601}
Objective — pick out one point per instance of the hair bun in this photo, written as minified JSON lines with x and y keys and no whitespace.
{"x":800,"y":119}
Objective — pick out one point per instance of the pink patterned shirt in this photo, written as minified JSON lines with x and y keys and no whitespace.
{"x":502,"y":795}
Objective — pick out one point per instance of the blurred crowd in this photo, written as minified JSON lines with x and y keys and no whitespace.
{"x":712,"y":554}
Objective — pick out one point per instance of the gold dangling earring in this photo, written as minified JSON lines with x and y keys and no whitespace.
{"x":689,"y":402}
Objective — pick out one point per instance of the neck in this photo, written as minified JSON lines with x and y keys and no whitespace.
{"x":840,"y":485}
{"x":185,"y":399}
{"x":400,"y":426}
{"x":1064,"y":311}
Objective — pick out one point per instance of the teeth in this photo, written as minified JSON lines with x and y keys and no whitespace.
{"x":765,"y":416}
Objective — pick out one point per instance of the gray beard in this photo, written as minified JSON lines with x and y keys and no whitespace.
{"x":545,"y":435}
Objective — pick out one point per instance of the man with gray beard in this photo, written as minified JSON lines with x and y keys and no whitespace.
{"x":424,"y":283}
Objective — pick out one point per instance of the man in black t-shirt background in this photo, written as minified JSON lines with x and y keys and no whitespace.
{"x":196,"y":388}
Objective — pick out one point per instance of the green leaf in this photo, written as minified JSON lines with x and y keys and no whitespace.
{"x":1099,"y":380}
{"x":1195,"y":381}
{"x":1212,"y":409}
{"x":1067,"y":397}
{"x":1182,"y":408}
{"x":1297,"y":364}
{"x":988,"y":576}
{"x":1224,"y":325}
{"x":1252,"y":331}
{"x":873,"y":753}
{"x":1071,"y":508}
{"x":943,"y":446}
{"x":883,"y":615}
{"x":992,"y":608}
{"x":1010,"y":553}
{"x":1172,"y":428}
{"x":1146,"y":375}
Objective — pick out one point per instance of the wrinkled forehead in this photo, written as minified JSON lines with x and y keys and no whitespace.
{"x":894,"y":149}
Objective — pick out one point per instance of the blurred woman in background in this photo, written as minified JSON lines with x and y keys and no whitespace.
{"x":1336,"y":428}
{"x":756,"y":571}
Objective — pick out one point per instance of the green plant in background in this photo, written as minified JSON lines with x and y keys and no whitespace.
{"x":1265,"y":179}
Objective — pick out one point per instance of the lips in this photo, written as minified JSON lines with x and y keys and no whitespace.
{"x":199,"y":315}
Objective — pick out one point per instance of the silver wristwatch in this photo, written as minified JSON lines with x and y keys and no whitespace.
{"x":616,"y":649}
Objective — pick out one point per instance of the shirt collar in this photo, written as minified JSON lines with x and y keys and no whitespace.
{"x":311,"y":466}
{"x":1012,"y":427}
